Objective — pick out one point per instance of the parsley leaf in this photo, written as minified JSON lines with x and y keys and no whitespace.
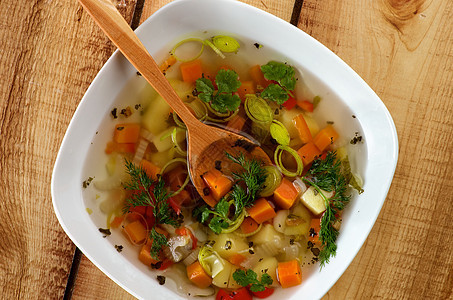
{"x":276,"y":93}
{"x":227,"y":81}
{"x":205,"y":89}
{"x":223,"y":99}
{"x":225,"y":102}
{"x":284,"y":75}
{"x":249,"y":277}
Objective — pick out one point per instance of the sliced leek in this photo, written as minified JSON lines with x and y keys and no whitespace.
{"x":278,"y":160}
{"x":173,"y":51}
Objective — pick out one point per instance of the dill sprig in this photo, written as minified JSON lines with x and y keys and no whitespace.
{"x":253,"y":177}
{"x":325,"y":174}
{"x":149,"y":192}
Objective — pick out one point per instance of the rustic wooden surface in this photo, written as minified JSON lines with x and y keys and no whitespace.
{"x":51,"y":51}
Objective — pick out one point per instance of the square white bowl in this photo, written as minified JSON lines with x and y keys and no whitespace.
{"x":347,"y":100}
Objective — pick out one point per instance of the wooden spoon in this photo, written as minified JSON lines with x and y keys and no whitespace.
{"x":206,"y":144}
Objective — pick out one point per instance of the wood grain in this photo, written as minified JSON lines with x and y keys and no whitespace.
{"x":404,"y":50}
{"x":282,"y":8}
{"x":50,"y":52}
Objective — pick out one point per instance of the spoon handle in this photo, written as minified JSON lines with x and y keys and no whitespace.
{"x":116,"y":28}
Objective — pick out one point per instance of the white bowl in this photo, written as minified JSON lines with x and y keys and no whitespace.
{"x":344,"y":94}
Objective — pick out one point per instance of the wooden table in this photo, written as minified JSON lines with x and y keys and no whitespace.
{"x":51,"y":51}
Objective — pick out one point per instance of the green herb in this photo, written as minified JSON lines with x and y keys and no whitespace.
{"x":249,"y":277}
{"x":159,"y":241}
{"x":222,"y":99}
{"x":105,"y":231}
{"x":353,"y":180}
{"x":276,"y":93}
{"x":87,"y":182}
{"x":149,"y":192}
{"x":254,"y":176}
{"x":284,"y":75}
{"x":326,"y":174}
{"x":220,"y":217}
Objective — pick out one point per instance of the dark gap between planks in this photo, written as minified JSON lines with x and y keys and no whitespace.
{"x":73,"y":274}
{"x":297,"y":8}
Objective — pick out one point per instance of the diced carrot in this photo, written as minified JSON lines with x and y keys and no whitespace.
{"x":308,"y":153}
{"x":110,"y":147}
{"x":126,"y":133}
{"x":120,"y":148}
{"x":145,"y":254}
{"x":236,"y":123}
{"x":286,"y":194}
{"x":170,"y":61}
{"x":211,"y":76}
{"x":306,"y":105}
{"x":290,"y":103}
{"x":247,"y":87}
{"x":261,"y":211}
{"x":236,"y":259}
{"x":315,"y":227}
{"x":218,"y":183}
{"x":116,"y":222}
{"x":178,"y":200}
{"x":302,"y":128}
{"x":325,"y":137}
{"x":208,"y":197}
{"x":226,"y":67}
{"x":151,"y":169}
{"x":258,"y":77}
{"x":136,"y":232}
{"x":198,"y":275}
{"x":249,"y":225}
{"x":191,"y":71}
{"x":289,"y":273}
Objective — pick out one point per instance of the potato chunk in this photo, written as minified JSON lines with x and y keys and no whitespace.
{"x":313,"y":200}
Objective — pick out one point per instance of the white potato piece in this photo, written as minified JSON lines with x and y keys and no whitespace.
{"x":156,"y":114}
{"x":163,"y":141}
{"x":222,"y":279}
{"x":313,"y":200}
{"x":287,"y":117}
{"x":228,"y":244}
{"x":267,"y":265}
{"x":303,"y":219}
{"x":265,"y":235}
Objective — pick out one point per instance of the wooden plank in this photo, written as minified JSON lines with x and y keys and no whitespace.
{"x":282,"y":8}
{"x":93,"y":284}
{"x":404,"y":50}
{"x":50,"y":54}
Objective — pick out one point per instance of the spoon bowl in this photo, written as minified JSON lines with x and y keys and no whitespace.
{"x":206,"y":144}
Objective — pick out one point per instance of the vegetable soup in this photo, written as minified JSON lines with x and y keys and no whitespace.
{"x":257,"y":227}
